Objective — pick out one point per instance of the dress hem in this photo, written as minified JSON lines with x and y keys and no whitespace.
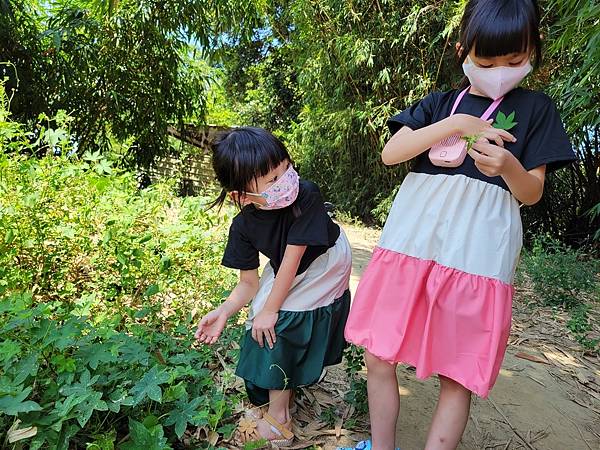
{"x":458,"y":379}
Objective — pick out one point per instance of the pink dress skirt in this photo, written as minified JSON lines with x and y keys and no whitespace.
{"x":437,"y":293}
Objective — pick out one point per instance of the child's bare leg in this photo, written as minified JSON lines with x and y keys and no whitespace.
{"x":279,"y":409}
{"x":384,"y":402}
{"x":450,"y":416}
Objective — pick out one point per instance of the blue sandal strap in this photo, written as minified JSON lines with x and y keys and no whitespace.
{"x":362,"y":445}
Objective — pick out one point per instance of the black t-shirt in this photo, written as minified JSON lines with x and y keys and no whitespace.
{"x":305,"y":222}
{"x":541,"y":137}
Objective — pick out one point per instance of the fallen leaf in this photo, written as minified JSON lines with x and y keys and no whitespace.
{"x":15,"y":434}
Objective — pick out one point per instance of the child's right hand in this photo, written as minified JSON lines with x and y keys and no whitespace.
{"x":211,"y":326}
{"x":467,"y":125}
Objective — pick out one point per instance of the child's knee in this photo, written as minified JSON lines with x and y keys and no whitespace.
{"x":376,"y":365}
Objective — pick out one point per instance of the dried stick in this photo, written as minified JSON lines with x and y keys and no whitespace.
{"x":514,"y":430}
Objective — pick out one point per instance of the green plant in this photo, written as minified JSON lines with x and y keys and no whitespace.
{"x":100,"y":286}
{"x":580,"y":326}
{"x":502,"y":122}
{"x":329,"y":416}
{"x":561,"y":275}
{"x":565,"y":278}
{"x":357,"y":394}
{"x":149,"y":57}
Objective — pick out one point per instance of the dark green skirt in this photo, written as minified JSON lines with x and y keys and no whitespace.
{"x":307,"y":341}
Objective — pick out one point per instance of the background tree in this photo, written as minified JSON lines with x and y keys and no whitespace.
{"x":357,"y":63}
{"x":124,"y":69}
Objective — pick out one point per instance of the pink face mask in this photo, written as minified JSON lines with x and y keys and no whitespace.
{"x":496,"y":81}
{"x":283,"y":192}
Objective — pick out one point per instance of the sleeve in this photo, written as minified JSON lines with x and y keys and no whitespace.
{"x":310,"y":226}
{"x":239,"y":252}
{"x":546,"y":140}
{"x":419,"y":115}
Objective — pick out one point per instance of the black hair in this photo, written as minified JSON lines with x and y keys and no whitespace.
{"x":501,"y":27}
{"x":241,"y":156}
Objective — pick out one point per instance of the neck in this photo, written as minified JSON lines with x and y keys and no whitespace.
{"x":474,"y":91}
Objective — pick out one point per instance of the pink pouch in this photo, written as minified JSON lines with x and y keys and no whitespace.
{"x":451,"y":152}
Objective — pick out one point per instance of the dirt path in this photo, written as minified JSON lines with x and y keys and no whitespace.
{"x":553,"y":404}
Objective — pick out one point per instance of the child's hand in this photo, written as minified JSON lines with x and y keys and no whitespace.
{"x":211,"y":326}
{"x":263,"y":328}
{"x":491,"y":160}
{"x":467,"y":125}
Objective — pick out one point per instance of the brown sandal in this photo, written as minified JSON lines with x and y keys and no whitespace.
{"x":248,"y":429}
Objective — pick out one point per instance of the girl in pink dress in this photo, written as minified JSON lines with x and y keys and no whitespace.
{"x":437,"y":293}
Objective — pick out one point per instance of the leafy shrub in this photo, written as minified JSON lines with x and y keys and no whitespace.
{"x":580,"y":325}
{"x":357,"y":394}
{"x":561,"y":275}
{"x":99,"y":287}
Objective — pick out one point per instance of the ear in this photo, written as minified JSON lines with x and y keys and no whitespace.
{"x":459,"y":49}
{"x":237,"y":198}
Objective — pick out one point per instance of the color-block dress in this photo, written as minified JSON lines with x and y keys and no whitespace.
{"x":437,"y":293}
{"x":310,"y":326}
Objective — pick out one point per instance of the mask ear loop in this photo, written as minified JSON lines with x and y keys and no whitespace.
{"x":248,"y":201}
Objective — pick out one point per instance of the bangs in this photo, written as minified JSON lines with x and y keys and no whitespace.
{"x":501,"y":27}
{"x":269,"y":153}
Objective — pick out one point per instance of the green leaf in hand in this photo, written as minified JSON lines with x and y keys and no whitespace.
{"x":471,"y":140}
{"x":504,"y":122}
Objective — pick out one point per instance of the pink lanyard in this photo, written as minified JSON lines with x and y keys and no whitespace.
{"x":488,"y":112}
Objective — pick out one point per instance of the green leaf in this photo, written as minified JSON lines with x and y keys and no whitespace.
{"x":26,"y":367}
{"x":9,"y":349}
{"x":134,"y":352}
{"x":176,"y":392}
{"x":103,"y":167}
{"x":141,"y":437}
{"x":165,"y":263}
{"x":503,"y":122}
{"x":151,"y":290}
{"x":57,"y":39}
{"x":15,"y":404}
{"x":149,"y":386}
{"x":84,"y":386}
{"x":66,"y":231}
{"x":107,"y":236}
{"x":117,"y":398}
{"x":63,"y":408}
{"x":84,"y":410}
{"x":121,"y":258}
{"x":183,"y":413}
{"x":63,"y":363}
{"x":95,"y":353}
{"x":9,"y":237}
{"x":67,"y":333}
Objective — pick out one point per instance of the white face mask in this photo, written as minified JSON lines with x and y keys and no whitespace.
{"x":494,"y":82}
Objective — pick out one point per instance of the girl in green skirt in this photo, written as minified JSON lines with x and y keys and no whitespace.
{"x":300,"y":303}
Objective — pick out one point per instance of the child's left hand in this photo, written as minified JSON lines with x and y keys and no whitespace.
{"x":263,"y":328}
{"x":491,"y":160}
